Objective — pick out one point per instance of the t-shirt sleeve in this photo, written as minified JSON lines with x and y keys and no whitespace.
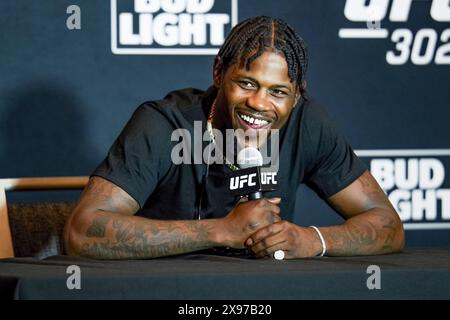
{"x":140,"y":156}
{"x":332,"y":163}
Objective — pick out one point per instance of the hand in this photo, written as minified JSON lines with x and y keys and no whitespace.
{"x":295,"y":241}
{"x":247,"y":217}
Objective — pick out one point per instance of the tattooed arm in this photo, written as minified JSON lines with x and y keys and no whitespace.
{"x":372,"y":226}
{"x":103,"y":226}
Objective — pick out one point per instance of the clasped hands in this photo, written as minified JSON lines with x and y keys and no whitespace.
{"x":256,"y":224}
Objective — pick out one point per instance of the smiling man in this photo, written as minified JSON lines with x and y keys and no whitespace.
{"x":140,"y":204}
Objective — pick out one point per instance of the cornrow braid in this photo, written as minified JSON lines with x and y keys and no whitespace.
{"x":252,"y":37}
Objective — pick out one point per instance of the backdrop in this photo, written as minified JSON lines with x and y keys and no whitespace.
{"x":72,"y":72}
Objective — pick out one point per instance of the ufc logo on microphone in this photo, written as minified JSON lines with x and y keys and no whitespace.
{"x":241,"y":181}
{"x":268,"y":177}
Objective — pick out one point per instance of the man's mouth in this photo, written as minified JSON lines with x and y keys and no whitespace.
{"x":253,"y":122}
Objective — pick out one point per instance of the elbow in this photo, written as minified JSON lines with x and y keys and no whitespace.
{"x":401,"y":238}
{"x":71,"y":247}
{"x":398,"y":244}
{"x":72,"y":235}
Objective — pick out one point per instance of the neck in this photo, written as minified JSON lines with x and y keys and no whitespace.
{"x":218,"y":117}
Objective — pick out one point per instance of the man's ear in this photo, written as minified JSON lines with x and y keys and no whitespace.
{"x":218,"y":71}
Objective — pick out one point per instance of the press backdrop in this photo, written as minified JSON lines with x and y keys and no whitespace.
{"x":72,"y":72}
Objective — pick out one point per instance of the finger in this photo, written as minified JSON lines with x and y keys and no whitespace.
{"x":276,"y":210}
{"x":270,"y":251}
{"x":274,"y":218}
{"x":263,"y":233}
{"x":270,"y":206}
{"x":243,"y":199}
{"x":269,"y":241}
{"x":275,"y":200}
{"x":269,"y":245}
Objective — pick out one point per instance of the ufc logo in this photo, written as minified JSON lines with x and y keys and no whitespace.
{"x":377,"y":10}
{"x":240,"y":182}
{"x":268,"y":178}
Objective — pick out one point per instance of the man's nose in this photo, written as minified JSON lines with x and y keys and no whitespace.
{"x":259,"y":100}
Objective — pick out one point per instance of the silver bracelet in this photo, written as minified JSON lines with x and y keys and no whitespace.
{"x":324,"y":245}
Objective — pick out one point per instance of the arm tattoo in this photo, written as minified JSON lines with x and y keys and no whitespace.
{"x":97,"y":229}
{"x":146,"y":239}
{"x":371,"y":231}
{"x":108,"y":197}
{"x":373,"y":193}
{"x":115,"y":234}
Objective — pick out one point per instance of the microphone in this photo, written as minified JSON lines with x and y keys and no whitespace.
{"x":248,"y":158}
{"x":252,"y":180}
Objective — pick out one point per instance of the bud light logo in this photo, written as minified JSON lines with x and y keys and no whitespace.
{"x":416,"y":183}
{"x":181,"y":27}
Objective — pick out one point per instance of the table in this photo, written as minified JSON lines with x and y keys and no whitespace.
{"x":413,"y":274}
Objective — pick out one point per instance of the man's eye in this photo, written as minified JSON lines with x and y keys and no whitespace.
{"x":279,"y":93}
{"x":246,"y":85}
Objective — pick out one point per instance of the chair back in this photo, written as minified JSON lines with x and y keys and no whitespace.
{"x":34,"y":229}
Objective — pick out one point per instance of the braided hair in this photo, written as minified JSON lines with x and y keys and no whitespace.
{"x":252,"y":37}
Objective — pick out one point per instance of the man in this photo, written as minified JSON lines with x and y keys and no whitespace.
{"x":140,"y":204}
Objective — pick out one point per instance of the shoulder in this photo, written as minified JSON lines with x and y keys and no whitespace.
{"x":307,"y":120}
{"x":184,"y":97}
{"x":174,"y":110}
{"x":314,"y":113}
{"x":315,"y":120}
{"x":176,"y":101}
{"x":168,"y":113}
{"x":318,"y":134}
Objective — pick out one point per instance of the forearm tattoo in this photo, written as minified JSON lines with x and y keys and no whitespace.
{"x":97,"y":229}
{"x":373,"y":231}
{"x":143,"y":239}
{"x":115,"y":234}
{"x":364,"y":236}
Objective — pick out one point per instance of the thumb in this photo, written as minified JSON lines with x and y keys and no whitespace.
{"x":274,"y":200}
{"x":243,"y":199}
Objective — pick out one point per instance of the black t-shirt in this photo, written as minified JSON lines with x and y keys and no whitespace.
{"x":312,"y":151}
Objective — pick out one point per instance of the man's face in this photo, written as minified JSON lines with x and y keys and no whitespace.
{"x":258,"y":99}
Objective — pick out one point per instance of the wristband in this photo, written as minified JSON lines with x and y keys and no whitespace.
{"x":324,"y":245}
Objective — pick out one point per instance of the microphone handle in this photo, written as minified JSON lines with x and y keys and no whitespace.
{"x":255,"y":195}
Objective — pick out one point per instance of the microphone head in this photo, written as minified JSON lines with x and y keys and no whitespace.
{"x":249,"y":157}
